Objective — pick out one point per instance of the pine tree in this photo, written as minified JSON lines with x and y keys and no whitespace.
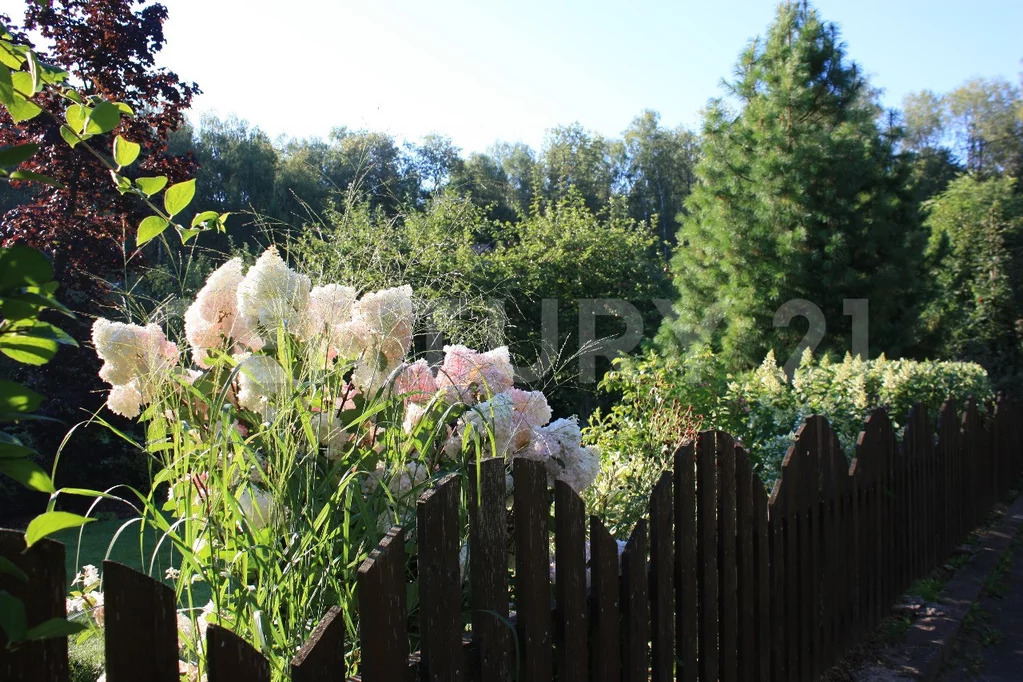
{"x":799,"y":195}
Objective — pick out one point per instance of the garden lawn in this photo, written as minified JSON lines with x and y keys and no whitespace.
{"x":95,"y":546}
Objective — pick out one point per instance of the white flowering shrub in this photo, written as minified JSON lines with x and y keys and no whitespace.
{"x":296,"y":429}
{"x":763,"y":409}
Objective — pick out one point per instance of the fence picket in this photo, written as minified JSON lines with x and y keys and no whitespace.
{"x":686,"y":595}
{"x":488,"y":571}
{"x":383,"y":628}
{"x":635,"y":606}
{"x":230,"y":658}
{"x":661,"y":570}
{"x":571,"y":633}
{"x":140,"y":626}
{"x":746,"y":567}
{"x":605,"y":639}
{"x":728,"y":605}
{"x":532,"y":571}
{"x":322,"y":657}
{"x":707,"y":553}
{"x":43,"y":597}
{"x":440,"y":609}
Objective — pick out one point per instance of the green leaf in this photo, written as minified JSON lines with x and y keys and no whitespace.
{"x":28,"y":473}
{"x":8,"y":567}
{"x":9,"y":57}
{"x":123,"y":183}
{"x":16,"y":398}
{"x":204,"y":217}
{"x":51,"y":522}
{"x":28,"y":348}
{"x":29,"y":304}
{"x":178,"y":196}
{"x":22,"y":110}
{"x":29,"y":176}
{"x":150,"y":227}
{"x":188,"y":234}
{"x":76,"y":115}
{"x":125,"y":152}
{"x":73,"y":96}
{"x":12,"y":617}
{"x":36,"y":71}
{"x":14,"y":155}
{"x":69,"y":136}
{"x":40,"y":330}
{"x":11,"y":447}
{"x":150,"y":186}
{"x":51,"y":75}
{"x":22,"y":81}
{"x":6,"y":87}
{"x":23,"y":266}
{"x":124,"y":109}
{"x":54,"y":628}
{"x":103,"y":118}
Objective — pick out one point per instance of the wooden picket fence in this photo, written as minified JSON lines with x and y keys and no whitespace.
{"x":722,"y":582}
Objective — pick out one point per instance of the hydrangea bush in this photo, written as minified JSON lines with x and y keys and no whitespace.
{"x":660,"y":398}
{"x":764,"y":409}
{"x":295,"y":429}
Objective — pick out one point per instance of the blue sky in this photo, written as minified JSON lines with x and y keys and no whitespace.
{"x":483,"y":71}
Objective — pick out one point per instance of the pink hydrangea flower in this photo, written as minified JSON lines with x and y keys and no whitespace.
{"x":468,"y":375}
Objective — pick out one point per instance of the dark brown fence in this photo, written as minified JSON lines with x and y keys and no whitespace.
{"x":722,"y":582}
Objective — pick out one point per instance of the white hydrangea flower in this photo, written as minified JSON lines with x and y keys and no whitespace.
{"x":130,"y":351}
{"x":90,"y":576}
{"x":328,"y":327}
{"x":559,"y":446}
{"x":467,"y":375}
{"x":271,"y":296}
{"x":136,"y":361}
{"x":490,"y":423}
{"x":384,"y":319}
{"x":372,"y":371}
{"x":261,"y":383}
{"x":414,"y":413}
{"x":212,"y":320}
{"x":125,"y":399}
{"x":330,"y":432}
{"x":256,"y":506}
{"x":408,"y":477}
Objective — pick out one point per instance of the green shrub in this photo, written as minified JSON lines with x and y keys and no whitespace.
{"x":761,"y":408}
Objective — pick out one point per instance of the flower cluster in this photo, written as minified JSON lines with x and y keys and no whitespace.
{"x":239,"y":323}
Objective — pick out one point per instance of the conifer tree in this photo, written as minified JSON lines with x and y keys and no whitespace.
{"x":799,"y":194}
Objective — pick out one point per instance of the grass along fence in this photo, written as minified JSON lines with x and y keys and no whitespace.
{"x":723,"y":582}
